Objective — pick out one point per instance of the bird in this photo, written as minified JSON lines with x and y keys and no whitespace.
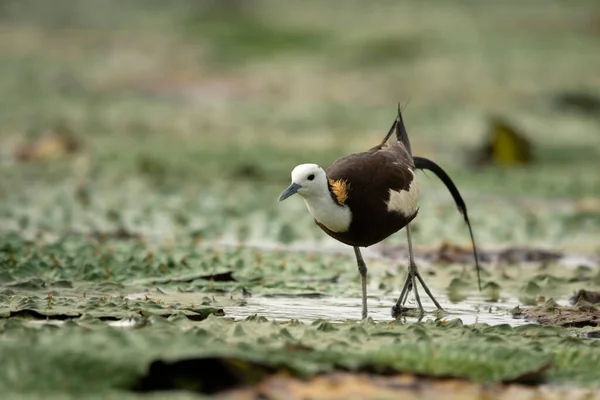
{"x":363,"y":198}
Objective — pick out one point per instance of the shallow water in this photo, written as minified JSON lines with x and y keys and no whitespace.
{"x":338,"y":309}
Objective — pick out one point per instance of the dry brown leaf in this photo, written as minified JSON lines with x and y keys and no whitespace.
{"x":348,"y":386}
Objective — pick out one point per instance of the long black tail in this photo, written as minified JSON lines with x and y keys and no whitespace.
{"x":426,"y":164}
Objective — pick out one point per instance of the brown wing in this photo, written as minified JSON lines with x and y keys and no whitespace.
{"x":370,"y":175}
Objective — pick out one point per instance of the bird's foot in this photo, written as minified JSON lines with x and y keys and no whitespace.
{"x":440,"y":313}
{"x":401,"y":311}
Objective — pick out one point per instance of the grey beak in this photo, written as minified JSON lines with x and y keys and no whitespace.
{"x":291,"y":190}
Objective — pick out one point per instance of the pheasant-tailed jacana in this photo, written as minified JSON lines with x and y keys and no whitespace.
{"x":363,"y":198}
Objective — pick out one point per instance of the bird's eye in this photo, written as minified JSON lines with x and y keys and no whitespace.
{"x":311,"y":177}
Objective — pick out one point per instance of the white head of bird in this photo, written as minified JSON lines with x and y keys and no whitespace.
{"x":310,"y":182}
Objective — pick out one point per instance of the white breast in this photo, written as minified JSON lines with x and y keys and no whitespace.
{"x":334,"y":217}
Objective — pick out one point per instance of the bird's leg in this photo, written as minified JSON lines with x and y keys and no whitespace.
{"x":405,"y":290}
{"x":415,"y":270}
{"x":362,"y":270}
{"x":413,"y":278}
{"x":398,"y":309}
{"x":413,"y":275}
{"x":418,"y":275}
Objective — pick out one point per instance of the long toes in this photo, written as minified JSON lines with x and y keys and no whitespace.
{"x":397,"y":311}
{"x":400,"y":311}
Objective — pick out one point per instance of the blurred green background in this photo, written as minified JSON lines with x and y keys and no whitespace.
{"x":184,"y":119}
{"x":138,"y":136}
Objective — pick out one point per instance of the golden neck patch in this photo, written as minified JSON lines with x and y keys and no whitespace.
{"x":340,"y":189}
